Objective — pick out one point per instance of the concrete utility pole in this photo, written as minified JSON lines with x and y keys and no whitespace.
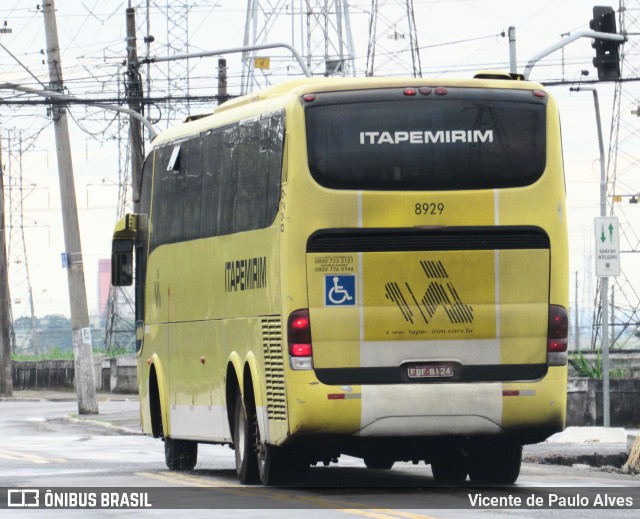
{"x":222,"y":81}
{"x":6,"y":382}
{"x":133,"y":89}
{"x":81,"y":331}
{"x":513,"y":60}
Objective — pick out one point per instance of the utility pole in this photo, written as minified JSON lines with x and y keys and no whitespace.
{"x":513,"y":60}
{"x":222,"y":81}
{"x":81,"y":331}
{"x":133,"y":90}
{"x":576,"y":326}
{"x":6,"y":381}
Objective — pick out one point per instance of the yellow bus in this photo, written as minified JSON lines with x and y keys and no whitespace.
{"x":375,"y":267}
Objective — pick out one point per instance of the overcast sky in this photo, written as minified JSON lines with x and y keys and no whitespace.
{"x":456,"y":37}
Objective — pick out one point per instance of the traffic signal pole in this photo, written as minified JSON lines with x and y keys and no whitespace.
{"x":566,"y":41}
{"x":604,"y":292}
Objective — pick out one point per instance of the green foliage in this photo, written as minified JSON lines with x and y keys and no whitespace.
{"x":582,"y":367}
{"x":51,"y":332}
{"x":52,"y":354}
{"x":113,"y":352}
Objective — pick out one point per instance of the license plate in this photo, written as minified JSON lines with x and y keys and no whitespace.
{"x":430,"y":371}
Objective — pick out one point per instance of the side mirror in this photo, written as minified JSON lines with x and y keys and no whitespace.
{"x":122,"y":263}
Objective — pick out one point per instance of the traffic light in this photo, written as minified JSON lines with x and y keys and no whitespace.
{"x":607,"y":59}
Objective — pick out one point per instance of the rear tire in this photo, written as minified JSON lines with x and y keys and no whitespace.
{"x":496,"y":464}
{"x":244,"y":442}
{"x":448,"y":471}
{"x":180,"y":454}
{"x":281,"y":465}
{"x":450,"y":466}
{"x":274,"y":465}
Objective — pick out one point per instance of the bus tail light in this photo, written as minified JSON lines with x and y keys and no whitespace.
{"x":299,"y":335}
{"x":557,"y":336}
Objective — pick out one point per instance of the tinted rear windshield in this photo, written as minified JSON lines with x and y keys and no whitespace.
{"x":467,"y":139}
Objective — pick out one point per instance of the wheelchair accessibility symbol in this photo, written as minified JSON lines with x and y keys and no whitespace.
{"x":339,"y":290}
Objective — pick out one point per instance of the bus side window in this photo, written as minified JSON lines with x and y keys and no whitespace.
{"x":211,"y":173}
{"x":272,"y":140}
{"x":250,"y":166}
{"x":192,"y":194}
{"x":122,"y":263}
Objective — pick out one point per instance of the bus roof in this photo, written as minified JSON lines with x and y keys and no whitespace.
{"x":304,"y":85}
{"x":301,"y":86}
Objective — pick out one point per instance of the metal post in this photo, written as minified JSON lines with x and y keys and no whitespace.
{"x":604,"y":292}
{"x":81,"y":331}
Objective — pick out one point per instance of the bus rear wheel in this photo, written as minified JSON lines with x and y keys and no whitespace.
{"x":273,"y":465}
{"x":450,"y":469}
{"x":244,"y":442}
{"x":281,"y":465}
{"x":496,"y":464}
{"x":180,"y":454}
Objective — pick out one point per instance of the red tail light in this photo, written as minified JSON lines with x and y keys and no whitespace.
{"x":557,"y":336}
{"x":299,"y":335}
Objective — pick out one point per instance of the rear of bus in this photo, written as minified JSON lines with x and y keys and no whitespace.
{"x":429,"y":321}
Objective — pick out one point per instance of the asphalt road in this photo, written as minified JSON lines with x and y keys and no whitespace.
{"x":45,"y":447}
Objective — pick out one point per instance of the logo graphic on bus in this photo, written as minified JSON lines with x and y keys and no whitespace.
{"x":439,"y":293}
{"x":339,"y":290}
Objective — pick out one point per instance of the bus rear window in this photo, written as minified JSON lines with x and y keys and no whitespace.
{"x":454,"y":142}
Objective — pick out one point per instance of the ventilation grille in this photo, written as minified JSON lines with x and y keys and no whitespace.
{"x":274,"y":368}
{"x":416,"y":239}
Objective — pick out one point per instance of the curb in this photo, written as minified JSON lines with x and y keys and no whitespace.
{"x":105,"y":425}
{"x":569,"y":460}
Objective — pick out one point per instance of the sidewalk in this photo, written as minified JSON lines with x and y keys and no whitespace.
{"x":117,"y":412}
{"x":592,"y":446}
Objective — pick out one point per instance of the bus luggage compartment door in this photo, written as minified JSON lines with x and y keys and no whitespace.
{"x":423,"y":306}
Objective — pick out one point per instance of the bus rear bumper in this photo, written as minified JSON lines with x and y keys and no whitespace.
{"x":529,"y":409}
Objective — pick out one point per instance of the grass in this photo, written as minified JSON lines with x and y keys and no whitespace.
{"x":584,"y":368}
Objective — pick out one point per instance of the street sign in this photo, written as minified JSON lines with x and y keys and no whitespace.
{"x":262,"y":63}
{"x":607,"y":246}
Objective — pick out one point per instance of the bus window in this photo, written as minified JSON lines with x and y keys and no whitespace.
{"x":456,"y":142}
{"x":122,"y":263}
